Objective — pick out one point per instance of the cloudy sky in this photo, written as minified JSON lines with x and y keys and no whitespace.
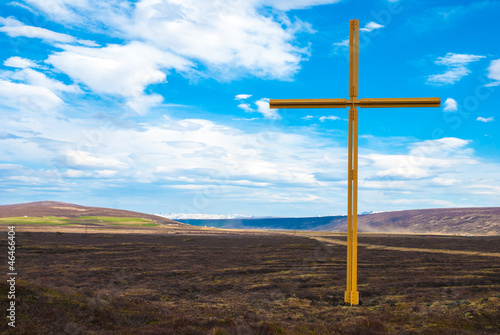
{"x":161,"y":106}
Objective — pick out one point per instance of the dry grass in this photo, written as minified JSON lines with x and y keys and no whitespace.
{"x":249,"y":284}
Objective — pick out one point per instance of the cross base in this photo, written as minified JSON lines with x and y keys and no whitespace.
{"x":351,"y":297}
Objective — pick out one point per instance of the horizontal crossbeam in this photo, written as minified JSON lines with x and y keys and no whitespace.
{"x":400,"y":102}
{"x":364,"y":103}
{"x":308,"y":103}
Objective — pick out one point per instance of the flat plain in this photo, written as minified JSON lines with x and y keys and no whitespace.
{"x":183,"y":280}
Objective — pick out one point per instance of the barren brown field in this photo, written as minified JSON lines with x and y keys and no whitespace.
{"x":208,"y":281}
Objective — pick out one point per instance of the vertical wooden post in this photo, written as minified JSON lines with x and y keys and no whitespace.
{"x":351,"y":294}
{"x":354,"y":225}
{"x":349,"y":213}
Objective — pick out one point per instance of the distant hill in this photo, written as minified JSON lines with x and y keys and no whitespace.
{"x":474,"y":221}
{"x":268,"y":223}
{"x":63,"y":209}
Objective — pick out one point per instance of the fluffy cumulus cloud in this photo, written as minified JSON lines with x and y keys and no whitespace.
{"x":441,"y":148}
{"x":246,"y":107}
{"x":27,"y":89}
{"x":224,"y":39}
{"x":84,"y":160}
{"x":268,"y":113}
{"x":296,"y":4}
{"x":30,"y":97}
{"x":370,"y":26}
{"x":230,"y":38}
{"x":119,"y":69}
{"x":343,"y":46}
{"x":15,"y":28}
{"x":485,"y":119}
{"x":450,"y":105}
{"x":40,"y":79}
{"x":19,"y":62}
{"x":456,"y":65}
{"x":494,"y":72}
{"x":261,"y":106}
{"x":331,"y":117}
{"x":242,"y":96}
{"x":424,"y":159}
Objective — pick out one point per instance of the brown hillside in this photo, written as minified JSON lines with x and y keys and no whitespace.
{"x":62,"y":209}
{"x":474,"y":221}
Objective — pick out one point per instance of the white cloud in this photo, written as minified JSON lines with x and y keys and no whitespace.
{"x":120,"y":70}
{"x":229,"y":38}
{"x":409,"y":172}
{"x":332,"y":117}
{"x":450,"y":105}
{"x":70,"y":173}
{"x":27,"y":179}
{"x":64,"y":10}
{"x":444,"y":182}
{"x":29,"y":97}
{"x":485,"y":119}
{"x":343,"y":43}
{"x":452,"y":59}
{"x":424,"y":159}
{"x":15,"y":28}
{"x":341,"y":47}
{"x":441,"y":147}
{"x":263,"y":108}
{"x":242,"y":96}
{"x":141,"y":103}
{"x":457,"y":68}
{"x":18,"y":4}
{"x":371,"y":26}
{"x":69,"y":10}
{"x":215,"y":155}
{"x":494,"y":72}
{"x":39,"y":79}
{"x":85,"y":160}
{"x":308,"y":117}
{"x":246,"y":108}
{"x":294,"y":197}
{"x":286,"y":5}
{"x":19,"y":62}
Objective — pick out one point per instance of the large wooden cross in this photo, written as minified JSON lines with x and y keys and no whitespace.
{"x":351,"y":293}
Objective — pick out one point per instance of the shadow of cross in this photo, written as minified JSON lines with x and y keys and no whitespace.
{"x":351,"y":294}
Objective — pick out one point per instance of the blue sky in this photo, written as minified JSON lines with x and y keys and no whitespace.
{"x":162,"y":106}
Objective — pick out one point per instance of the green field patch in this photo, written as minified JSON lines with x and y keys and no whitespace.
{"x":60,"y":221}
{"x":135,"y":224}
{"x":33,"y":220}
{"x":112,"y":219}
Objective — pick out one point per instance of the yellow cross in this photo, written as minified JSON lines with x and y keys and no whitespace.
{"x":351,"y":293}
